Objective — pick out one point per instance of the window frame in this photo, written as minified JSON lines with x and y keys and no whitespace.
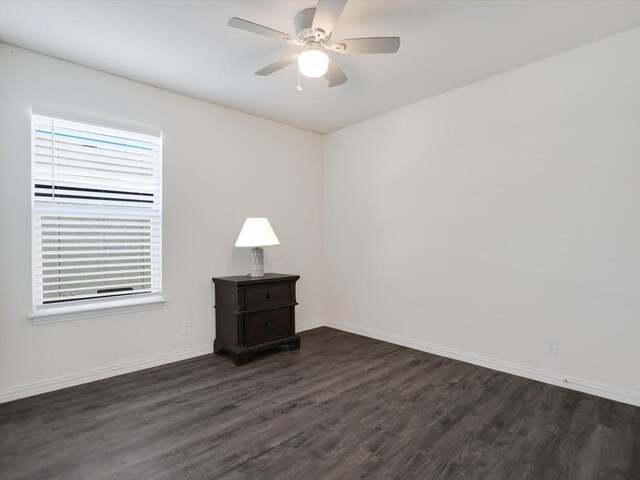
{"x":74,"y":309}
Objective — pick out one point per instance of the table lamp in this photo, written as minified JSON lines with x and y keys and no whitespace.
{"x":256,"y":233}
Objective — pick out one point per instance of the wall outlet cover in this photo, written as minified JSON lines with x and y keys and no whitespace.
{"x":185,"y":327}
{"x":551,"y":345}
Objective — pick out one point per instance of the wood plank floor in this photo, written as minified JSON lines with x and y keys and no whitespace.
{"x":342,"y":407}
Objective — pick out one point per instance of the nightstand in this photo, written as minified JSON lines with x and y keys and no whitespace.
{"x":254,"y":314}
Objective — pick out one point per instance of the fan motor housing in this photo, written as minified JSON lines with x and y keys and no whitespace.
{"x":303,"y":24}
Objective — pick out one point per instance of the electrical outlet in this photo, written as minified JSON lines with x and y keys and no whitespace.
{"x":551,"y":345}
{"x":356,"y":309}
{"x":185,"y":327}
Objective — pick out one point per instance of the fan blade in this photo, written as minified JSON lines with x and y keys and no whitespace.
{"x":327,"y":14}
{"x":371,"y":45}
{"x":275,"y":66}
{"x":335,"y":76}
{"x":259,"y":29}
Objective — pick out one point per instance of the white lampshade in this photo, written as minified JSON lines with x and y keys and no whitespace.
{"x":257,"y":232}
{"x":313,"y":63}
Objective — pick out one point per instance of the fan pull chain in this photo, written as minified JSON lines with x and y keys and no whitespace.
{"x":299,"y":88}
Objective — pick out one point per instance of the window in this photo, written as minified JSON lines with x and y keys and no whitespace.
{"x":97,"y":219}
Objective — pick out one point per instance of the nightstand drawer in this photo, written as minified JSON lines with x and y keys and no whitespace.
{"x":269,"y":295}
{"x":267,"y":325}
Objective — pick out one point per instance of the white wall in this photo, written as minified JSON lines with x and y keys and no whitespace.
{"x":220,"y":166}
{"x":473,"y":224}
{"x":481,"y":221}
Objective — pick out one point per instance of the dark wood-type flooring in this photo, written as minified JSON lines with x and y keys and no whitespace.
{"x":342,"y":407}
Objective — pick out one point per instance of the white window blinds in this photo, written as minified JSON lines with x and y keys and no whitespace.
{"x":97,"y":212}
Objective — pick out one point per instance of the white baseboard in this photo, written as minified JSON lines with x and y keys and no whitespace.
{"x":43,"y":386}
{"x":553,"y":378}
{"x":301,"y":327}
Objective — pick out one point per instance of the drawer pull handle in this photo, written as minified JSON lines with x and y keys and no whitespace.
{"x":268,"y":295}
{"x":268,"y":324}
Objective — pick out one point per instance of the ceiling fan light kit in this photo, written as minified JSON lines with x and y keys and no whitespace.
{"x":313,"y":63}
{"x":313,"y":32}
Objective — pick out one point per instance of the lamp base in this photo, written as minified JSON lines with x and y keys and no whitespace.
{"x":257,"y":263}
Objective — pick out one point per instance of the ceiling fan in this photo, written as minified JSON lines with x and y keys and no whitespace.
{"x":313,"y":32}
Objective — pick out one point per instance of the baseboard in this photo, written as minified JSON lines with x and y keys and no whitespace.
{"x":43,"y":386}
{"x":553,"y":378}
{"x":301,"y":327}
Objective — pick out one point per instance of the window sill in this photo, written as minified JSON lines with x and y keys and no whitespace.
{"x":77,"y":312}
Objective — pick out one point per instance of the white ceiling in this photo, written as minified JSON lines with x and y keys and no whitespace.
{"x":187,"y":47}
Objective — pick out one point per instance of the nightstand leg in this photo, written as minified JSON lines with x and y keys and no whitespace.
{"x":217,"y":347}
{"x":295,"y":344}
{"x":241,"y":358}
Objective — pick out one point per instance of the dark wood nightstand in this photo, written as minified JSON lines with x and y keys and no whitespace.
{"x":254,"y":314}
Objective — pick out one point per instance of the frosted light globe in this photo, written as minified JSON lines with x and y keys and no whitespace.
{"x":313,"y":63}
